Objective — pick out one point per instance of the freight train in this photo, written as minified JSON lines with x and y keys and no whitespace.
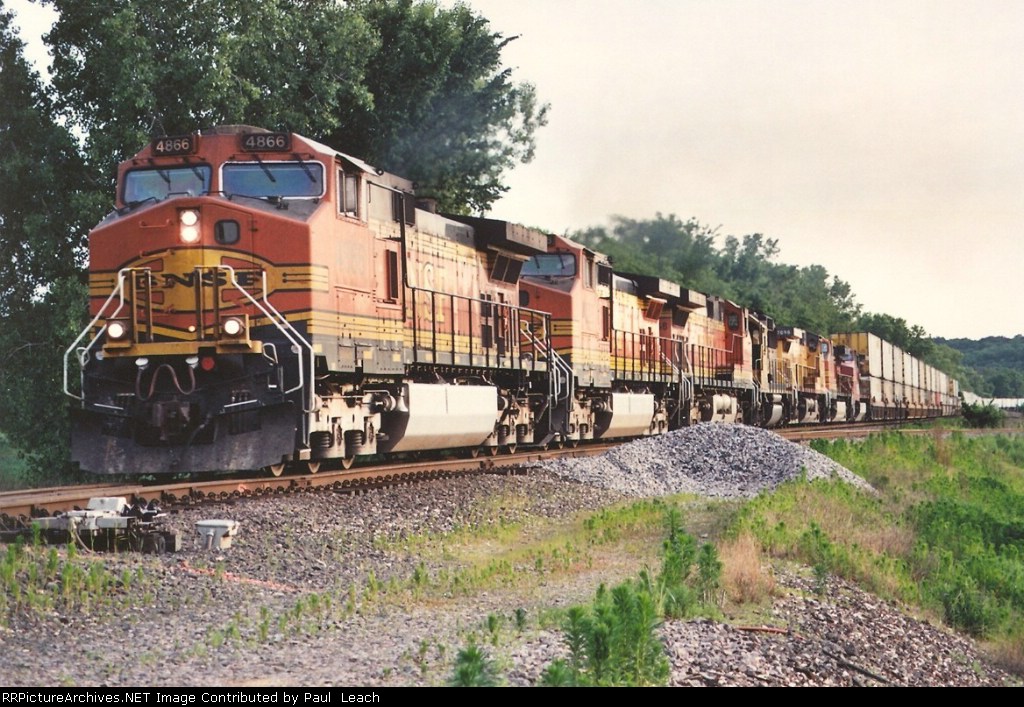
{"x":260,"y":301}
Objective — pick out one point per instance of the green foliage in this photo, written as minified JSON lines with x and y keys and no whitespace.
{"x":557,"y":674}
{"x":819,"y":550}
{"x":965,"y":606}
{"x":709,"y":573}
{"x":33,"y":339}
{"x":947,"y":530}
{"x":991,"y":351}
{"x":613,"y":642}
{"x":520,"y":618}
{"x":665,"y":246}
{"x":977,"y":415}
{"x":413,"y":87}
{"x":994,"y":365}
{"x":473,"y":668}
{"x":45,"y":203}
{"x":36,"y":580}
{"x":896,"y":331}
{"x":445,"y":113}
{"x":14,"y":473}
{"x":678,"y":554}
{"x":43,"y":213}
{"x":742,"y":270}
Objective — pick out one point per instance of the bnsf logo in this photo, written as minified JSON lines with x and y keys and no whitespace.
{"x":173,"y":278}
{"x":247,"y":279}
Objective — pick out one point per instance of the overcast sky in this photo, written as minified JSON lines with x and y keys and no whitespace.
{"x":883,"y":140}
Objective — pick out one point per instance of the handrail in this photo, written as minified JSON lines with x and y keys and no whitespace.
{"x":431,"y":337}
{"x":564,"y":369}
{"x":118,"y":291}
{"x":283,"y":325}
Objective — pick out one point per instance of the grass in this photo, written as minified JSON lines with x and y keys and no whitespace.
{"x":36,"y":580}
{"x":945,"y":532}
{"x":747,"y":577}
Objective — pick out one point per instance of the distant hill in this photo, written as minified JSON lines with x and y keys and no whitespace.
{"x":991,"y":351}
{"x":998,"y":361}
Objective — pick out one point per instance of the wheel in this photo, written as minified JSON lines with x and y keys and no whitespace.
{"x":474,"y":452}
{"x":347,"y":462}
{"x":493,"y":451}
{"x":276,"y":469}
{"x":313,"y":467}
{"x":560,"y":443}
{"x":510,"y":448}
{"x":573,"y":443}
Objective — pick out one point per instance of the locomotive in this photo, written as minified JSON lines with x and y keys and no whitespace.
{"x":259,"y":300}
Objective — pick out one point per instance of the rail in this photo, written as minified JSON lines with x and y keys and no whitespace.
{"x":466,"y":331}
{"x":645,"y":357}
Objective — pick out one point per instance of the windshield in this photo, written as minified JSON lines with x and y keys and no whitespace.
{"x":157,"y":183}
{"x":550,"y":265}
{"x":263,"y":179}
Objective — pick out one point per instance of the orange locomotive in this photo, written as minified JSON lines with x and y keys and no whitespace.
{"x":260,"y":299}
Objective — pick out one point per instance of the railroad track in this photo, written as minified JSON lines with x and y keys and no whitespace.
{"x":17,"y":506}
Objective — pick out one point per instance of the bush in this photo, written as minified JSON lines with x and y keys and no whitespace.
{"x":614,"y":642}
{"x":982,"y":415}
{"x":966,"y":607}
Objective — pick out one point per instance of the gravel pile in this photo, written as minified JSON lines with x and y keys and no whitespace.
{"x":708,"y":459}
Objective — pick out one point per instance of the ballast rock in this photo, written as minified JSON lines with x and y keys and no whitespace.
{"x":709,"y":459}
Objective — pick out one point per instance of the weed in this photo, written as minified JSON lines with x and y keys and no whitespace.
{"x":709,"y":573}
{"x":474,"y":668}
{"x":493,"y":627}
{"x":421,"y":656}
{"x":520,"y":618}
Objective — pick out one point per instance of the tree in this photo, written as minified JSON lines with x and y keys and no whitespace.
{"x":42,"y":212}
{"x":408,"y":86}
{"x":445,"y":113}
{"x":743,"y":271}
{"x":44,"y":205}
{"x":681,"y":251}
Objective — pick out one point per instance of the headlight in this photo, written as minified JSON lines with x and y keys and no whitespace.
{"x":233,"y":327}
{"x":189,"y":222}
{"x":117,"y":330}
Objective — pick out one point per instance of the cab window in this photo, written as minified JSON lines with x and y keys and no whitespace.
{"x":348,"y":194}
{"x":274,"y":179}
{"x":550,"y":265}
{"x":160,"y":183}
